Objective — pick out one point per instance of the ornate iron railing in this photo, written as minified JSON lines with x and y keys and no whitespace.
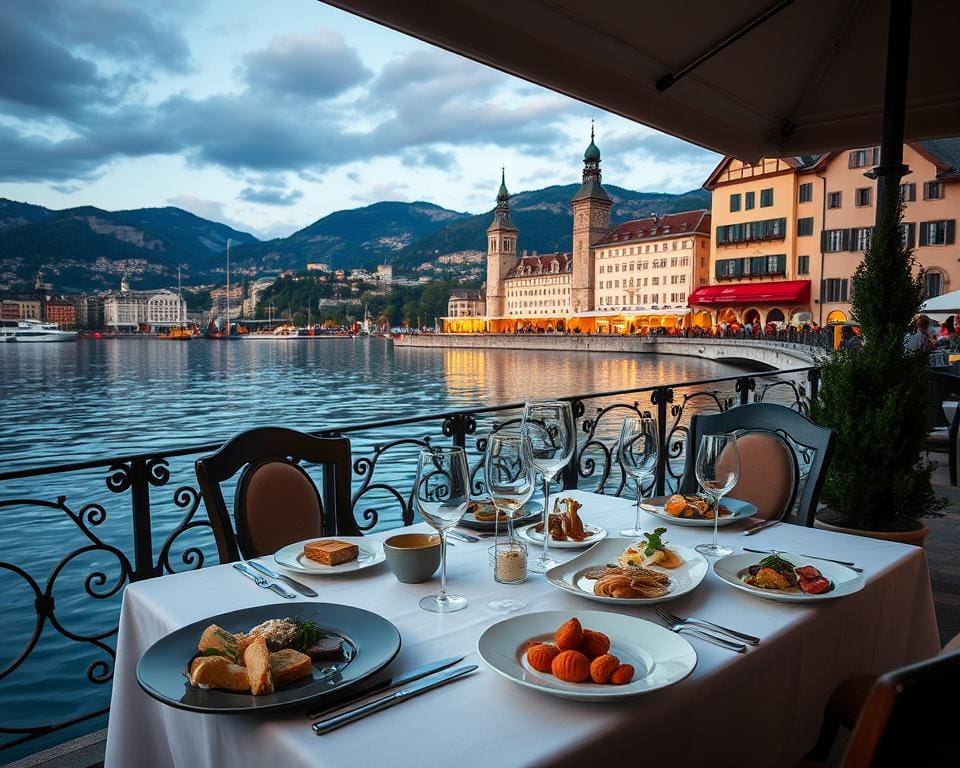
{"x":383,"y":471}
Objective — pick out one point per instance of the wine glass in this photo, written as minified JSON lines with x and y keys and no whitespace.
{"x":718,"y":470}
{"x":637,"y":451}
{"x":511,"y":480}
{"x":442,"y":492}
{"x":548,"y":425}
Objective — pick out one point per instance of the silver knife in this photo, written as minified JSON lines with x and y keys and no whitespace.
{"x":303,"y":589}
{"x":429,"y":683}
{"x":761,"y":527}
{"x":847,"y":563}
{"x":262,"y":582}
{"x":351,"y":697}
{"x":463,"y":537}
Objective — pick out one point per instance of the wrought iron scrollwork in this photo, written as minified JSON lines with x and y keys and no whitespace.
{"x":365,"y":468}
{"x":187,"y":498}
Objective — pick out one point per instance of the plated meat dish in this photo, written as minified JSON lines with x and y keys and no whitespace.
{"x":693,"y":507}
{"x":775,"y":572}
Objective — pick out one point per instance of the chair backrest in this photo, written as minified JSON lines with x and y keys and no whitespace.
{"x":776,"y":440}
{"x":909,"y":717}
{"x":276,"y":502}
{"x":943,"y":386}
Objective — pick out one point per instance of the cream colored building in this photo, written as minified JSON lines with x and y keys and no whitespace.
{"x":539,"y":286}
{"x":131,"y":309}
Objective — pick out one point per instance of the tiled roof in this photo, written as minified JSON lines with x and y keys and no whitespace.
{"x":466,"y":294}
{"x":531,"y":266}
{"x":659,"y":227}
{"x":946,"y":152}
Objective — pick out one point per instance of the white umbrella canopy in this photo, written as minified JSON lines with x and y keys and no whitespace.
{"x":941,"y":307}
{"x":769,"y":78}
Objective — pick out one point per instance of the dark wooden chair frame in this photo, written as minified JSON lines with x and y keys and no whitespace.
{"x":945,"y":386}
{"x":256,"y":447}
{"x":791,"y":427}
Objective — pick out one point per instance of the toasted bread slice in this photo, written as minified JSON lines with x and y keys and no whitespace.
{"x":219,"y":672}
{"x":331,"y":551}
{"x":220,"y":639}
{"x":289,"y":665}
{"x":257,"y":660}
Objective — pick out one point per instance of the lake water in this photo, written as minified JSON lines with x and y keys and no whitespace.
{"x":61,"y":403}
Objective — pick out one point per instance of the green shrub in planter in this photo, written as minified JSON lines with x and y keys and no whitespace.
{"x":877,"y":399}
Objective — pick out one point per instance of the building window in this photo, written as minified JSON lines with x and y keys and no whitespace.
{"x":835,"y":240}
{"x":938,"y":232}
{"x":864,"y":197}
{"x":932,"y":284}
{"x":933,"y":190}
{"x":833,"y":289}
{"x":860,"y":158}
{"x":833,"y":200}
{"x":806,"y":192}
{"x":766,"y":197}
{"x":803,"y":265}
{"x":735,"y":202}
{"x":749,"y":200}
{"x":726,"y":268}
{"x":767,"y":229}
{"x":908,"y":234}
{"x":805,"y":227}
{"x":908,"y":193}
{"x":864,"y":236}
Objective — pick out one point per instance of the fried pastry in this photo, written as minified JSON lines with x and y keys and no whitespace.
{"x":541,"y":656}
{"x":569,"y":636}
{"x":257,"y":660}
{"x":571,"y":667}
{"x":219,"y":672}
{"x":602,"y":667}
{"x":622,"y":674}
{"x":594,"y":644}
{"x":218,"y":639}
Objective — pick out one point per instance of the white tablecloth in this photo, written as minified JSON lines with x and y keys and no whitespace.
{"x":760,"y":708}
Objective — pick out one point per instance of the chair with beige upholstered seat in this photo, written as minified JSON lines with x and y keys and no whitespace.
{"x":276,"y":502}
{"x":783,"y":458}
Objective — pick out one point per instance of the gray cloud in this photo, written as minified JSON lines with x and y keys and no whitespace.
{"x":387,"y":190}
{"x":270,"y":195}
{"x":318,"y":66}
{"x":428,"y":157}
{"x":655,"y":146}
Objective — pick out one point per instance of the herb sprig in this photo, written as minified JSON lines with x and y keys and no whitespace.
{"x":307,"y":632}
{"x":654,"y":542}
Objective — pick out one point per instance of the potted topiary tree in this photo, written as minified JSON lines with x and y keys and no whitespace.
{"x":877,"y":401}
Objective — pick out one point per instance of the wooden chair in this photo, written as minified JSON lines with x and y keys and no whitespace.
{"x":783,"y":458}
{"x":276,"y":502}
{"x":944,"y":434}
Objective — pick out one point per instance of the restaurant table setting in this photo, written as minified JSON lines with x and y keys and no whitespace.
{"x":690,"y":701}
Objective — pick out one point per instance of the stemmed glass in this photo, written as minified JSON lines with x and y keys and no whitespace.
{"x":548,"y":425}
{"x":442,"y":492}
{"x":718,"y":470}
{"x":637,"y":451}
{"x":511,"y":480}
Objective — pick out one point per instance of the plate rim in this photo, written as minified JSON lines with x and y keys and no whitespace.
{"x":601,"y":695}
{"x":697,"y":522}
{"x":194,"y":626}
{"x":858,"y":581}
{"x":379,"y":556}
{"x":604,"y":533}
{"x":484,"y":525}
{"x":631,"y":601}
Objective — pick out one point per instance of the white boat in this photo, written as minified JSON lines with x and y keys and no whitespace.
{"x":33,"y":332}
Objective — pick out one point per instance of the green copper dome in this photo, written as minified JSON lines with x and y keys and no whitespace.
{"x":592,"y":155}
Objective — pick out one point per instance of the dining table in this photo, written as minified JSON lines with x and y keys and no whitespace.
{"x":762,"y":708}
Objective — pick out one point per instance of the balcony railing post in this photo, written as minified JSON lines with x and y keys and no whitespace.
{"x":570,"y":475}
{"x":813,"y":376}
{"x":140,"y":480}
{"x":745,"y":385}
{"x":457,"y":426}
{"x":661,"y":397}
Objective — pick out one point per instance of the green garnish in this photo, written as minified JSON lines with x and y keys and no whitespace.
{"x":230,"y":649}
{"x":307,"y":633}
{"x":219,"y":652}
{"x":777,"y":563}
{"x":653,"y":541}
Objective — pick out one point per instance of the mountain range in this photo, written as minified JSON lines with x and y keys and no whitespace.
{"x":88,"y":248}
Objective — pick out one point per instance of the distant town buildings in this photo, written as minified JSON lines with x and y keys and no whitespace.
{"x":464,"y":302}
{"x":318,"y":266}
{"x":132,"y":310}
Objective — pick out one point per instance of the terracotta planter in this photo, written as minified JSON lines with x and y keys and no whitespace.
{"x":916,"y":537}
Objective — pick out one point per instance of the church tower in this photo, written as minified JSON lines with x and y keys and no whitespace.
{"x":501,"y":251}
{"x":591,"y":222}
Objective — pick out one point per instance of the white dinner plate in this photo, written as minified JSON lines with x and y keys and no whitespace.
{"x":292,"y":558}
{"x":659,"y":657}
{"x":684,"y":579}
{"x":739,"y":511}
{"x":529,"y":534}
{"x":733,"y":568}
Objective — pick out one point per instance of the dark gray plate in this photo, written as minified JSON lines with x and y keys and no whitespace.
{"x":371,"y":642}
{"x":531,"y":512}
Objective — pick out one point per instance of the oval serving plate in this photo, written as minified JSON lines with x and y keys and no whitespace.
{"x":529,"y":512}
{"x":739,"y":511}
{"x":659,"y":657}
{"x":527,"y":533}
{"x":567,"y":576}
{"x":733,"y":568}
{"x":371,"y":642}
{"x":292,"y":558}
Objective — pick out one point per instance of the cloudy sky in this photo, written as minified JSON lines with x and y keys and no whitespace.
{"x":269,"y":114}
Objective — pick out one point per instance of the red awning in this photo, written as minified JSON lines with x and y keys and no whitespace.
{"x":779,"y":292}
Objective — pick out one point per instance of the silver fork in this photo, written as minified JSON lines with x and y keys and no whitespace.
{"x":672,"y":618}
{"x":728,"y":644}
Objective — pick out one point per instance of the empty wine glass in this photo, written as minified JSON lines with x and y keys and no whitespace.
{"x":637,"y":451}
{"x":718,"y":470}
{"x":548,"y":425}
{"x":442,"y":492}
{"x":511,"y":480}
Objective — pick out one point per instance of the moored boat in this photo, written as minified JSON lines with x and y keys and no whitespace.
{"x":33,"y":332}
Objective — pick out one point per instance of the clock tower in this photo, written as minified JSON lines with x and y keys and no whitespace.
{"x":591,"y":223}
{"x":501,"y":251}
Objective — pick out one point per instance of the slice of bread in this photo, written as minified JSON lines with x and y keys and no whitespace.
{"x":219,"y":672}
{"x":221,"y":640}
{"x":257,"y":659}
{"x":289,"y":665}
{"x":331,"y":551}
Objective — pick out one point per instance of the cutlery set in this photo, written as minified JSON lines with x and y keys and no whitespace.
{"x":761,"y":526}
{"x":249,"y":569}
{"x":699,"y":627}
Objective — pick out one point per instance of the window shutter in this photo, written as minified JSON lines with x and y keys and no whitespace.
{"x":924,"y":231}
{"x":782,"y":264}
{"x":825,"y":240}
{"x":852,"y":160}
{"x":876,"y":156}
{"x":718,"y":270}
{"x":738,"y":267}
{"x":846,"y":238}
{"x":911,"y":234}
{"x":757,"y":265}
{"x":951,"y":231}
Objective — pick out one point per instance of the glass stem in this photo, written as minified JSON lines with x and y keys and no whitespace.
{"x":636,"y":525}
{"x":443,"y":564}
{"x":546,"y":518}
{"x":716,"y":520}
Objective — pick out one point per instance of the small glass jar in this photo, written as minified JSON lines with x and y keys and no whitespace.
{"x":509,"y":558}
